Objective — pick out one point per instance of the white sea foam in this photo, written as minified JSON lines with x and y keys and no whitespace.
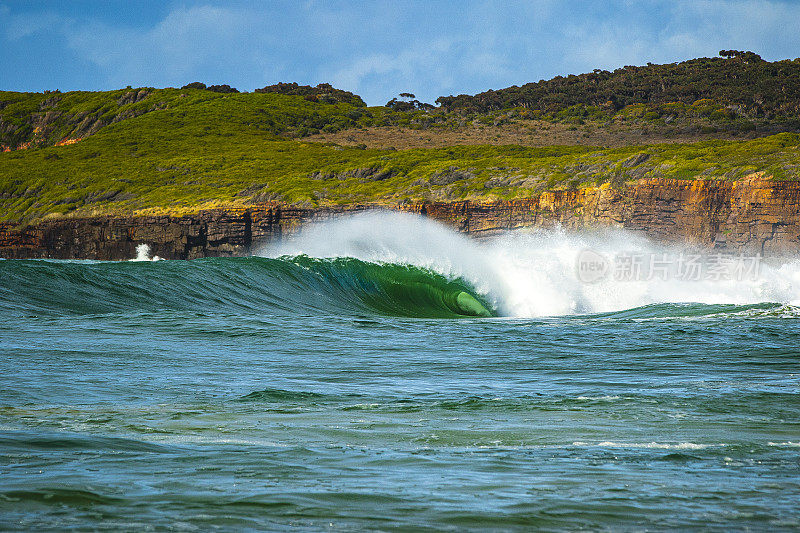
{"x":598,"y":398}
{"x":649,"y":445}
{"x":533,"y":273}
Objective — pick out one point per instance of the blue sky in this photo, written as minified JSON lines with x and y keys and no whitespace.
{"x":376,"y":49}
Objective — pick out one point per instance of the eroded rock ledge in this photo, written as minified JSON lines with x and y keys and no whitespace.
{"x":757,"y":215}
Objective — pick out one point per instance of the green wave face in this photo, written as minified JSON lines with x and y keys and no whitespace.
{"x":396,"y":289}
{"x":301,"y":284}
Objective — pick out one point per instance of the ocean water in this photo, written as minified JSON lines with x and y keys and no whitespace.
{"x":384,"y":373}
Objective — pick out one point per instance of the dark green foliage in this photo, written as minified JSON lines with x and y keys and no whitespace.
{"x":224,"y":89}
{"x":740,"y":94}
{"x":323,"y":93}
{"x":753,"y":87}
{"x":746,"y":56}
{"x":408,"y":103}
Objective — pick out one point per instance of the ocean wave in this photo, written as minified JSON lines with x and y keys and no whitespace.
{"x":535,"y":273}
{"x":397,"y":264}
{"x":60,"y":496}
{"x":300,"y":284}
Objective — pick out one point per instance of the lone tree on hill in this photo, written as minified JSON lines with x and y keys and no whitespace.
{"x":747,"y":56}
{"x":408,"y":103}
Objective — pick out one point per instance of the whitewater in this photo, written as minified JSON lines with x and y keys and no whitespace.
{"x":383,"y":371}
{"x":535,"y":273}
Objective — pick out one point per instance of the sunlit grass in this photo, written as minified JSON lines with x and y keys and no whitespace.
{"x":207,"y":149}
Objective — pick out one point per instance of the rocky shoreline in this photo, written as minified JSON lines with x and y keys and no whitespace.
{"x":753,"y":216}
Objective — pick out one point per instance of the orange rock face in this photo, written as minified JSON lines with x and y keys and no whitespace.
{"x":755,"y":215}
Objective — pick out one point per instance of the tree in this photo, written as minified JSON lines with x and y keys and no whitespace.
{"x":398,"y":105}
{"x":407,"y":104}
{"x":323,"y":93}
{"x":222,"y":89}
{"x":747,"y":57}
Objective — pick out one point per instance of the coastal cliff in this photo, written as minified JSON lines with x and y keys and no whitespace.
{"x":710,"y":155}
{"x":754,"y":215}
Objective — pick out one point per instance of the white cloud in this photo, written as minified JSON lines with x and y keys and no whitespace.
{"x":690,"y":29}
{"x":406,"y":68}
{"x":20,"y":26}
{"x":186,"y":41}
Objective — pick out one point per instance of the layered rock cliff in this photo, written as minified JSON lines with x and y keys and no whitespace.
{"x":755,"y":216}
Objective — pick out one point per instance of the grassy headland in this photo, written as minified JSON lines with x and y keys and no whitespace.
{"x":180,"y":150}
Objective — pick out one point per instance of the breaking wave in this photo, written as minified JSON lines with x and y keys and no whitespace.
{"x":402,"y":265}
{"x":536,"y":273}
{"x":300,"y":284}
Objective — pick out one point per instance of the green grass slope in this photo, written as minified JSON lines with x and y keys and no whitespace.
{"x":45,"y":119}
{"x":177,"y":151}
{"x":704,"y":96}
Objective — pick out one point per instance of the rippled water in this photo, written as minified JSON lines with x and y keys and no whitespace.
{"x":304,"y":394}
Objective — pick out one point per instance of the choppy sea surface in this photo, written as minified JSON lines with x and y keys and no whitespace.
{"x":382,"y":373}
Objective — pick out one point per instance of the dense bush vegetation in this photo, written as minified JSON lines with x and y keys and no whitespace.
{"x":225,"y":89}
{"x":744,"y":84}
{"x":324,"y":92}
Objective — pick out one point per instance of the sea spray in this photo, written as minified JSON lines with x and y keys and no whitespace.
{"x":530,"y":273}
{"x":143,"y":253}
{"x":543,"y":267}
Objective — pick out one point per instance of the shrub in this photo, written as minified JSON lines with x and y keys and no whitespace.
{"x":225,"y":89}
